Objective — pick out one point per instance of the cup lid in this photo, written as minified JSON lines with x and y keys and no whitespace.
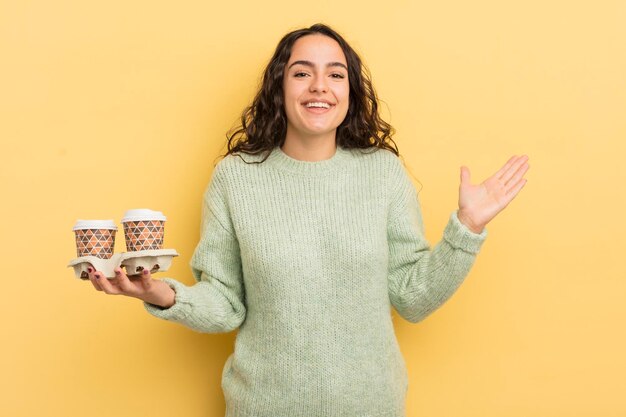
{"x":94,"y":224}
{"x":135,"y":215}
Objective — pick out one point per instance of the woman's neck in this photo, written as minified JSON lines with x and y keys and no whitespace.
{"x":312,"y":149}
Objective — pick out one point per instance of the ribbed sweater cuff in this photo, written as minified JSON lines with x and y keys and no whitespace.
{"x":460,"y":237}
{"x":182,"y":300}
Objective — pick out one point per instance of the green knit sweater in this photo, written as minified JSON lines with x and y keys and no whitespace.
{"x":306,"y":259}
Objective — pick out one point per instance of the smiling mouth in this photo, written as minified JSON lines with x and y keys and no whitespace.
{"x":317,"y":104}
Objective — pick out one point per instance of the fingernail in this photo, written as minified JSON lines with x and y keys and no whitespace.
{"x":97,"y":276}
{"x":117,"y":272}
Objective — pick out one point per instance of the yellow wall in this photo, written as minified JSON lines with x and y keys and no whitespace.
{"x":107,"y":106}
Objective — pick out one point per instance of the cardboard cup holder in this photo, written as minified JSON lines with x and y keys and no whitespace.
{"x":155,"y":260}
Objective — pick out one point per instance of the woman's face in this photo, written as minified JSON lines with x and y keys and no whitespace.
{"x":316,"y":87}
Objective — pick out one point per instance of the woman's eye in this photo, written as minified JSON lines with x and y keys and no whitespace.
{"x":339,"y":76}
{"x":300,"y":74}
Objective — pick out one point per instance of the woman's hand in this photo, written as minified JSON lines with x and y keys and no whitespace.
{"x":143,"y":287}
{"x":479,"y":204}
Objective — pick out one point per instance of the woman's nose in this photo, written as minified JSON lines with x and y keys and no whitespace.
{"x":318,"y":84}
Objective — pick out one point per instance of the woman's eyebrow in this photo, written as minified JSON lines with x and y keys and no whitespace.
{"x":310,"y":64}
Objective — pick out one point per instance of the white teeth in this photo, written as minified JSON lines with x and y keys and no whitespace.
{"x":318,"y":104}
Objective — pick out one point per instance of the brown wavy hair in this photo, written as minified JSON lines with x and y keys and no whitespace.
{"x":264,"y":122}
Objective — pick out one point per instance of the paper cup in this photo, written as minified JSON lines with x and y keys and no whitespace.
{"x":143,"y":229}
{"x":95,"y":238}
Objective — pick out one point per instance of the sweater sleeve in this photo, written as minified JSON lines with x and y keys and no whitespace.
{"x":216,"y":302}
{"x":420,"y":280}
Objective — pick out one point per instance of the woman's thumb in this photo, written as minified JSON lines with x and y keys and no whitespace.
{"x":465,"y":175}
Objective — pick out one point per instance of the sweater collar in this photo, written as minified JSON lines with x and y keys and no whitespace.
{"x":279,"y":159}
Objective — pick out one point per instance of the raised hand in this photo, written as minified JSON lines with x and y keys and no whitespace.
{"x":479,"y":204}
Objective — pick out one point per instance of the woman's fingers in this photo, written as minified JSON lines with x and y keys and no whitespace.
{"x":123,"y":282}
{"x":146,"y":279}
{"x":94,"y":282}
{"x":513,"y":167}
{"x":92,"y":278}
{"x":505,"y":167}
{"x":516,"y":188}
{"x":106,"y":286}
{"x":517,"y":175}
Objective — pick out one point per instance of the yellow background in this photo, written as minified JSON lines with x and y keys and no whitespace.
{"x":107,"y":106}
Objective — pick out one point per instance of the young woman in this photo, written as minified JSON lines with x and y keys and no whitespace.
{"x":311,"y":232}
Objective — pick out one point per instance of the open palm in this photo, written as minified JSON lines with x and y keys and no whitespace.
{"x":479,"y":204}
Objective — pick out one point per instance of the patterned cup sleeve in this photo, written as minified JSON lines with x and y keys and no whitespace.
{"x":143,"y":235}
{"x":95,"y":242}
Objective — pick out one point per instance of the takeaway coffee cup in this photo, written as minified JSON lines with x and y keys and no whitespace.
{"x":95,"y":238}
{"x":143,"y":229}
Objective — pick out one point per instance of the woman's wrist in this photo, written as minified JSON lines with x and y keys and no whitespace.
{"x":161,"y":295}
{"x":467,"y":221}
